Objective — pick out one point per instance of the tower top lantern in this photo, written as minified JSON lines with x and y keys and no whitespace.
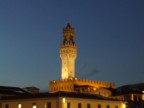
{"x":68,"y":35}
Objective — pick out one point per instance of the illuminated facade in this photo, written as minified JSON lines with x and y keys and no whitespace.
{"x":82,"y":86}
{"x":60,"y":100}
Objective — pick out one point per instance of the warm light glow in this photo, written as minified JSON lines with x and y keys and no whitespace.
{"x":19,"y":105}
{"x":45,"y":106}
{"x":34,"y":106}
{"x":75,"y":78}
{"x":132,"y":97}
{"x":123,"y":105}
{"x":64,"y":100}
{"x":94,"y":89}
{"x":142,"y":91}
{"x":143,"y":97}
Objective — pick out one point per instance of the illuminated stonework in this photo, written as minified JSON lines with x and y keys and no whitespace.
{"x":82,"y":86}
{"x":68,"y":53}
{"x":68,"y":82}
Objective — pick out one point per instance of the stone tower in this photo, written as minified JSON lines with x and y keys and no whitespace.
{"x":68,"y":81}
{"x":68,"y":53}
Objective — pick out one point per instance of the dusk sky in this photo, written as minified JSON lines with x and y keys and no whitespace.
{"x":109,"y":35}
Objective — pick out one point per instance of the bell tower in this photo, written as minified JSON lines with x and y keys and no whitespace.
{"x":68,"y":53}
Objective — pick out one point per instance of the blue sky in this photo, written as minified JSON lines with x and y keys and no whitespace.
{"x":109,"y":36}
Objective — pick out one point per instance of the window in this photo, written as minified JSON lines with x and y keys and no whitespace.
{"x":88,"y":105}
{"x":6,"y":106}
{"x":107,"y":106}
{"x":68,"y":105}
{"x":45,"y":106}
{"x":34,"y":105}
{"x":99,"y":106}
{"x":79,"y":105}
{"x":135,"y":98}
{"x":19,"y":106}
{"x":49,"y":105}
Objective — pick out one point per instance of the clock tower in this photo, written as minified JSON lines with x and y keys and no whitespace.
{"x":68,"y":53}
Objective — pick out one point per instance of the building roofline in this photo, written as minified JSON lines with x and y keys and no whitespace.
{"x":58,"y":94}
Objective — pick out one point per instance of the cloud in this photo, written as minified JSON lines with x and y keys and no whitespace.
{"x":90,"y":74}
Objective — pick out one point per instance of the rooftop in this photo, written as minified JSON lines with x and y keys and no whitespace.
{"x":6,"y":90}
{"x":58,"y":94}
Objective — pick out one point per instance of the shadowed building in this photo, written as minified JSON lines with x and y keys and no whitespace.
{"x":12,"y":91}
{"x":132,"y":93}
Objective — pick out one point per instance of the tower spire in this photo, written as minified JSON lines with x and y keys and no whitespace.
{"x":68,"y":53}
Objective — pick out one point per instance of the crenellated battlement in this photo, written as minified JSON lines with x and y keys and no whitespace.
{"x":68,"y":49}
{"x":68,"y":45}
{"x":68,"y":84}
{"x":81,"y":81}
